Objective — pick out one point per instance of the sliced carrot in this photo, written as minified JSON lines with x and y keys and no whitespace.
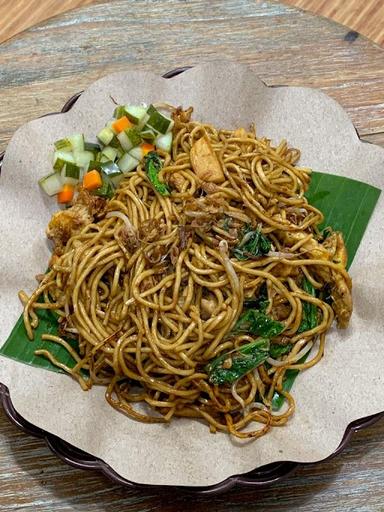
{"x":147,"y":147}
{"x":121,"y":124}
{"x":66,"y":194}
{"x":92,"y":180}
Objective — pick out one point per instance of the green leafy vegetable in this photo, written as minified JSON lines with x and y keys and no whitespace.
{"x":257,"y":323}
{"x":277,"y":350}
{"x":309,"y":317}
{"x":153,"y":166}
{"x":252,"y":245}
{"x":107,"y":189}
{"x":261,"y":302}
{"x":228,"y":367}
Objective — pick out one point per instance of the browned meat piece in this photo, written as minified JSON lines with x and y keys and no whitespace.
{"x":332,"y":249}
{"x":151,"y":229}
{"x":284,"y":270}
{"x":209,"y":187}
{"x":342,"y":300}
{"x":66,"y":223}
{"x":205,"y":162}
{"x":177,"y":181}
{"x":95,"y":205}
{"x":281,"y":311}
{"x":181,"y":117}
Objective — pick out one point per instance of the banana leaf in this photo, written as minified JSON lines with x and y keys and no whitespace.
{"x":19,"y":347}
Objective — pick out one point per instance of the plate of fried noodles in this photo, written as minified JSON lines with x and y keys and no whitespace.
{"x":184,"y":310}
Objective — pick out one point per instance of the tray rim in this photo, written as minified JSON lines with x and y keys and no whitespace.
{"x":259,"y":478}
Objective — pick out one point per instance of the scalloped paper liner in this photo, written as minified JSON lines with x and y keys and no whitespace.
{"x":346,"y":385}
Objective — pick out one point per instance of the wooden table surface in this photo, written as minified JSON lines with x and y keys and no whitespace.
{"x":42,"y":67}
{"x":365,"y":16}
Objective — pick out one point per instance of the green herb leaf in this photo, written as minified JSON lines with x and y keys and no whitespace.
{"x":228,"y":367}
{"x":261,"y":302}
{"x":309,"y":318}
{"x":107,"y":189}
{"x":277,"y":350}
{"x":256,"y":323}
{"x":253,"y":244}
{"x":153,"y":166}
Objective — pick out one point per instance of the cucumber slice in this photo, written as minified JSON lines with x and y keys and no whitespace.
{"x":51,"y":184}
{"x":71,"y":171}
{"x":151,"y":110}
{"x":147,"y":134}
{"x":70,"y":174}
{"x":63,"y":145}
{"x":92,"y":146}
{"x":94,"y":166}
{"x":133,"y":135}
{"x":82,"y":158}
{"x":107,"y":189}
{"x":158,"y":121}
{"x":110,"y":169}
{"x":60,"y":158}
{"x":119,"y":112}
{"x":110,"y":153}
{"x":164,"y":142}
{"x":127,"y":163}
{"x":115,"y":143}
{"x":77,"y":141}
{"x":137,"y":153}
{"x":124,"y":140}
{"x":105,"y":135}
{"x":135,"y":113}
{"x":113,"y":172}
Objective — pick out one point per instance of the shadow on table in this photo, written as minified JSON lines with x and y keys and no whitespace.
{"x":46,"y":480}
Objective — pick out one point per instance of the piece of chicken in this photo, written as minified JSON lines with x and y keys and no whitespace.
{"x":96,"y":205}
{"x":332,"y":249}
{"x":205,"y":162}
{"x":66,"y":223}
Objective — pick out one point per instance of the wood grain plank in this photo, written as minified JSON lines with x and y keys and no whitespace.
{"x":98,"y":41}
{"x":19,"y":15}
{"x":364,"y":16}
{"x":42,"y":67}
{"x":348,"y":482}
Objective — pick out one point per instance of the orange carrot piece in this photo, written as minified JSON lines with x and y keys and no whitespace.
{"x":121,"y":124}
{"x":66,"y":194}
{"x":92,"y":180}
{"x":147,"y":147}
